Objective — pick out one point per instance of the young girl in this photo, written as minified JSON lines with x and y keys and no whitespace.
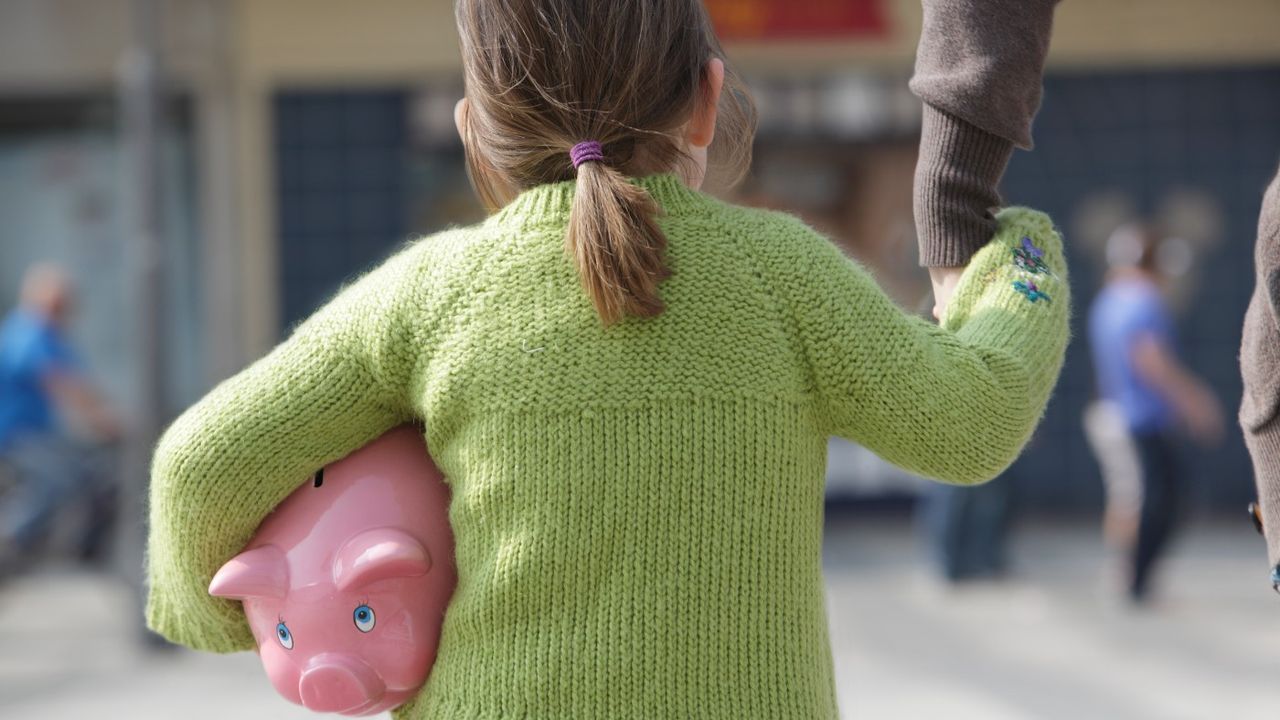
{"x":629,"y":385}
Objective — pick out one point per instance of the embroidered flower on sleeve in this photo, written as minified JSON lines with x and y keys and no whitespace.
{"x":1030,"y":258}
{"x":1031,"y":291}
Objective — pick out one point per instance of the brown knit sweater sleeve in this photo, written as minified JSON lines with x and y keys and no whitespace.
{"x":1260,"y":366}
{"x":978,"y":71}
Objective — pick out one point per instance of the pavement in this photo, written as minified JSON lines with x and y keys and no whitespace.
{"x":1057,"y":640}
{"x":1051,"y":642}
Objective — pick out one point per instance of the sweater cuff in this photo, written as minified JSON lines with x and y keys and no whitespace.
{"x":192,"y":628}
{"x":956,"y":188}
{"x":1264,"y":447}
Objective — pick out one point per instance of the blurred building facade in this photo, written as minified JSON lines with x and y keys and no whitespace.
{"x":305,"y":139}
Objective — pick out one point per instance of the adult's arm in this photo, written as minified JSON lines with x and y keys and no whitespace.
{"x":1196,"y":405}
{"x":78,"y":399}
{"x":1260,"y":366}
{"x":978,"y":71}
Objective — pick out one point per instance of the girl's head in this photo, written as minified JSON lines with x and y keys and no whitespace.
{"x":644,"y":78}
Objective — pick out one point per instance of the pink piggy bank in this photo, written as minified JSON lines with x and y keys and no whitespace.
{"x":345,"y":584}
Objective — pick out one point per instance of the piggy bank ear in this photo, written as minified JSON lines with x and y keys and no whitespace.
{"x":379,"y":555}
{"x":260,"y":572}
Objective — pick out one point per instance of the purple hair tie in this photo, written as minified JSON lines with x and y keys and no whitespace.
{"x":587,"y":151}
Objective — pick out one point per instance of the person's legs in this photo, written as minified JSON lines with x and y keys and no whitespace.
{"x":989,"y":525}
{"x":1117,"y":454}
{"x":1161,"y":490}
{"x":947,"y":517}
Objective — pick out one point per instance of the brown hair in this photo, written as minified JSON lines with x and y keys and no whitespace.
{"x":544,"y":75}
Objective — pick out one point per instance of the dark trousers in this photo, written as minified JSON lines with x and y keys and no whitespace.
{"x":1161,"y":500}
{"x":968,"y":527}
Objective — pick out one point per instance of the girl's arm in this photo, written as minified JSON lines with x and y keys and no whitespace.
{"x":955,"y":402}
{"x":338,"y":382}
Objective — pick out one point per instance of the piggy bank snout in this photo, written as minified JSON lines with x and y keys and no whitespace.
{"x":335,"y":683}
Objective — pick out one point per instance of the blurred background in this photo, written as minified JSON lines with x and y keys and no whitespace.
{"x":206,"y":172}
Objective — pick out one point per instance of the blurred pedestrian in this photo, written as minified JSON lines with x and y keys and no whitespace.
{"x":1132,"y":335}
{"x":1260,"y":365}
{"x":42,"y":384}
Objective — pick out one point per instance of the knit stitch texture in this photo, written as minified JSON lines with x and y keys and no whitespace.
{"x":637,"y":509}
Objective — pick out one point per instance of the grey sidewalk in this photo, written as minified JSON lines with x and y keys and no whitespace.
{"x":1055,"y":642}
{"x":1051,"y":644}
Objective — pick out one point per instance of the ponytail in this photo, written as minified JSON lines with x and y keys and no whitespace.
{"x":615,"y":241}
{"x":541,"y":76}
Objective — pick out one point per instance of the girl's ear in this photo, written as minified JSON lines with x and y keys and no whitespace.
{"x":460,"y":119}
{"x":702,"y":126}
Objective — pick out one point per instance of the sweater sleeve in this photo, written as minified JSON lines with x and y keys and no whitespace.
{"x":339,"y":381}
{"x":978,"y":71}
{"x":1260,"y":368}
{"x":981,"y":61}
{"x":1262,"y":438}
{"x":954,"y":402}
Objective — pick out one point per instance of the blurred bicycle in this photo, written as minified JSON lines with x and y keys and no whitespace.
{"x":47,"y":471}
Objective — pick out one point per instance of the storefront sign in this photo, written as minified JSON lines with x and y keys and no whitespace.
{"x":797,"y":19}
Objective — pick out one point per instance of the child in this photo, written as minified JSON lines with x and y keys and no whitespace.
{"x":628,"y":384}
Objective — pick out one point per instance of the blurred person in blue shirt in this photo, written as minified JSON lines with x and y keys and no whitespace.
{"x":43,"y":384}
{"x":1140,"y":378}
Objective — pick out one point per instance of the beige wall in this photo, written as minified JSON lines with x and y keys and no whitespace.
{"x":327,"y":40}
{"x":73,"y":45}
{"x":1089,"y":33}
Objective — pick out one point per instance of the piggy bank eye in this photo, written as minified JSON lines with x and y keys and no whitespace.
{"x":364,"y":618}
{"x":284,"y":636}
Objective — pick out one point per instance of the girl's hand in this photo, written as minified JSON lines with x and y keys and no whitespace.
{"x":944,"y":285}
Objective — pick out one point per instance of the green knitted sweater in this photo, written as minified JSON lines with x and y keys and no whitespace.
{"x":638,"y":509}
